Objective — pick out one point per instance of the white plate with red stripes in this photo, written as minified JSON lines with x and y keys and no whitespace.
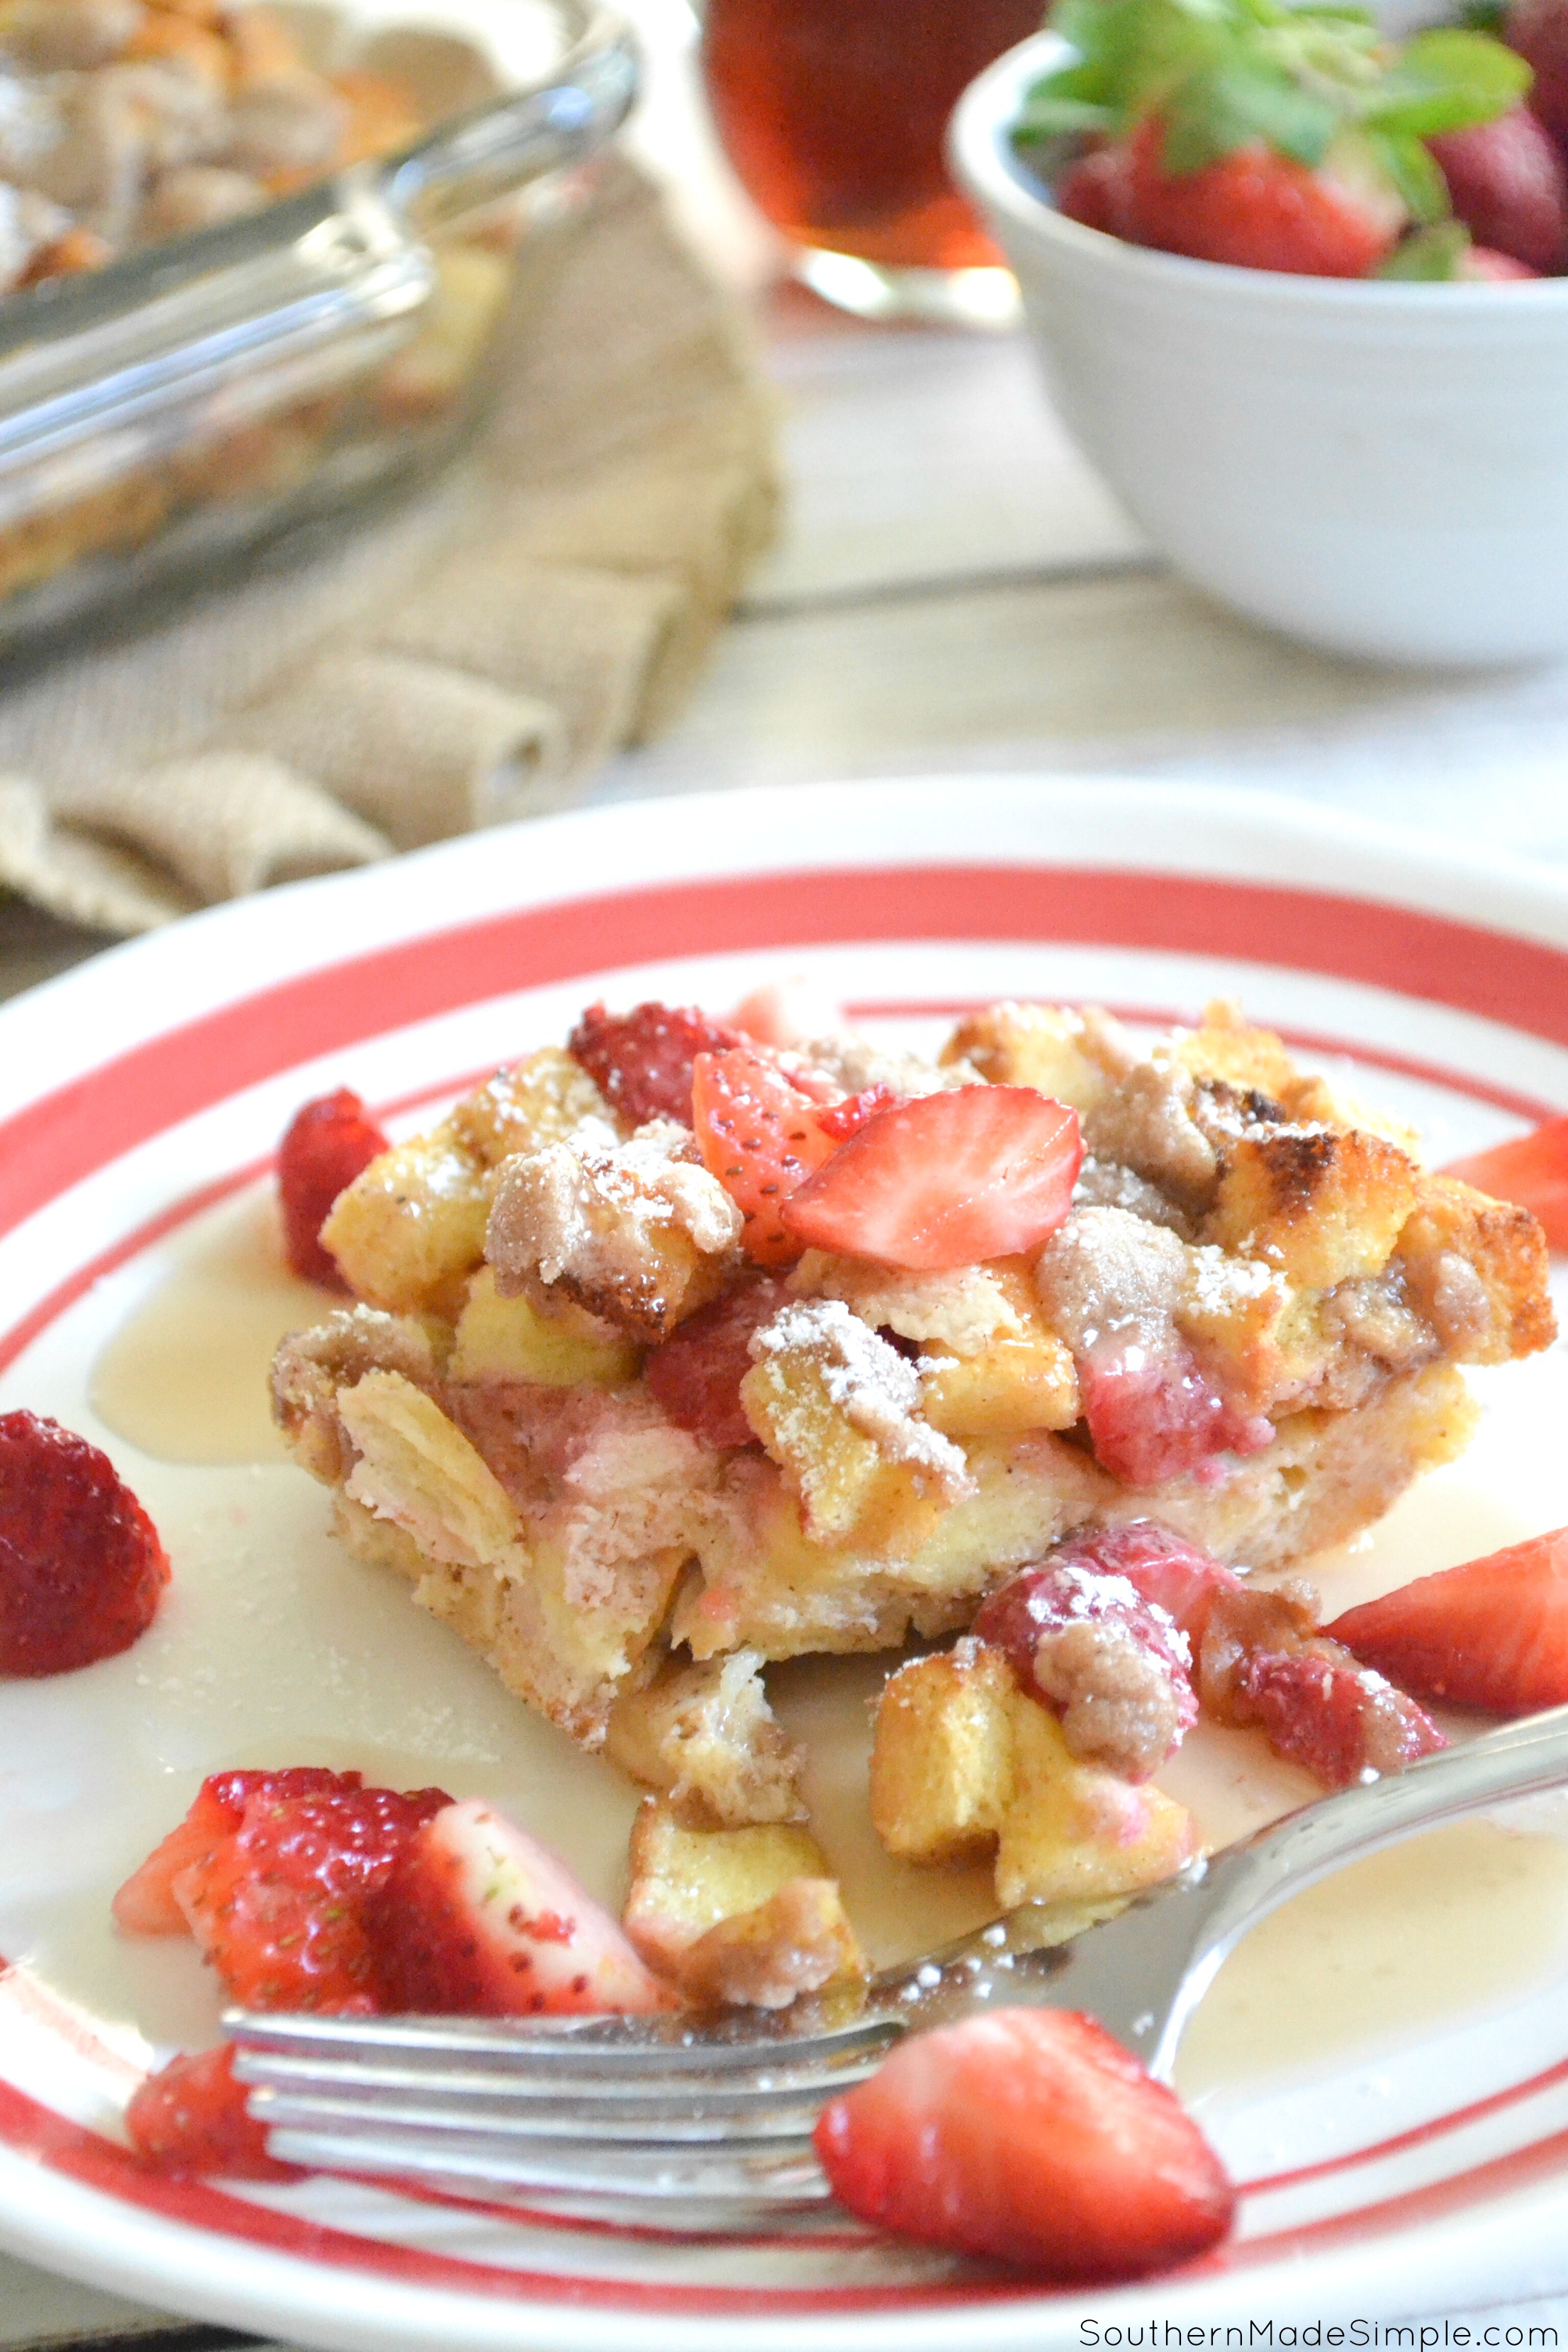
{"x":1386,"y":2070}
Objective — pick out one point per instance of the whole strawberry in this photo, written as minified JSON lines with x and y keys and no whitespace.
{"x":1538,"y":30}
{"x":1260,"y":210}
{"x":330,"y":1142}
{"x":1260,"y":134}
{"x":81,"y":1567}
{"x":1509,"y":186}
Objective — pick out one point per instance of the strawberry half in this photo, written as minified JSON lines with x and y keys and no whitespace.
{"x":191,"y":2117}
{"x":279,"y":1908}
{"x":762,"y":1136}
{"x":1031,"y":2136}
{"x":641,"y":1060}
{"x":476,"y":1918}
{"x":331,"y":1141}
{"x":1531,"y":1171}
{"x":81,"y":1569}
{"x":946,"y":1179}
{"x":1491,"y":1635}
{"x":146,"y":1904}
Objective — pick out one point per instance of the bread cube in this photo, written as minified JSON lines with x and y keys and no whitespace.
{"x":635,"y":1233}
{"x":850,"y":1493}
{"x":941,"y":1766}
{"x":552,"y":1342}
{"x":743,"y":1914}
{"x":418,"y":1469}
{"x":1477,"y":1268}
{"x":1075,"y":1832}
{"x":1317,"y":1205}
{"x":1225,"y":1047}
{"x":411,"y":1227}
{"x":1051,"y":1047}
{"x":965,"y":1762}
{"x":567,"y":1654}
{"x":799,"y":1941}
{"x":705,"y":1737}
{"x":1017,"y":1384}
{"x":836,"y":1407}
{"x":546,"y":1098}
{"x":1261,"y":1340}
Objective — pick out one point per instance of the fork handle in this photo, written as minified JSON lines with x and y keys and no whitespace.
{"x":1249,"y":1881}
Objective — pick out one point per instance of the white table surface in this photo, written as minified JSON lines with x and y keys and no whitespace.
{"x":954,"y":591}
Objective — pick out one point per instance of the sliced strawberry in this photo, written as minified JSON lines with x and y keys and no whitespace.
{"x":641,"y":1060}
{"x":696,"y":1373}
{"x":81,"y":1567}
{"x":1154,"y":1416}
{"x":1033,"y":2138}
{"x":1259,"y":210}
{"x":145,"y":1905}
{"x":1492,"y":1633}
{"x":279,"y":1907}
{"x":1530,"y":1169}
{"x":1088,"y":1645}
{"x":947,"y":1180}
{"x":476,"y":1918}
{"x":843,"y":1119}
{"x":1160,"y":1564}
{"x":762,"y":1136}
{"x":331,"y":1141}
{"x":1337,"y":1719}
{"x":190,"y":2117}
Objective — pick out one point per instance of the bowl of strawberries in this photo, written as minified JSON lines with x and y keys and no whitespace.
{"x":1301,"y":292}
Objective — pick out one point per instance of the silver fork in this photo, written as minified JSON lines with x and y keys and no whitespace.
{"x":716,"y":2113}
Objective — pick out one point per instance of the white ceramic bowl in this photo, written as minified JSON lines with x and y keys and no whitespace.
{"x":1378,"y":468}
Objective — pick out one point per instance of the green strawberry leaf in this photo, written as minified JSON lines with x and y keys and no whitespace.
{"x":1447,"y":81}
{"x":1056,"y":114}
{"x":1239,"y":102}
{"x":1414,"y":172}
{"x":1432,"y":254}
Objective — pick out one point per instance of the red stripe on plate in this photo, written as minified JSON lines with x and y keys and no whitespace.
{"x":85,"y":2156}
{"x":1436,"y":2127}
{"x":63,"y":1137}
{"x":98,"y":2163}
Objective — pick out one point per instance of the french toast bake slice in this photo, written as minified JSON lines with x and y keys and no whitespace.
{"x":632,"y":1452}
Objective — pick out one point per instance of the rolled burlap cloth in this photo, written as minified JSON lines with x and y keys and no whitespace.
{"x":469,"y":657}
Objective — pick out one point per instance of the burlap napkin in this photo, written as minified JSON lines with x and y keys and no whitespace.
{"x":468,"y":658}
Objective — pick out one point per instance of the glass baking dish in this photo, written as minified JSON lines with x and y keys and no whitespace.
{"x":163,"y":417}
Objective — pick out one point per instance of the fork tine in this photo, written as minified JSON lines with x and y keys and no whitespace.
{"x":364,"y":2084}
{"x":557,"y":2050}
{"x":644,"y":2128}
{"x":477,"y":2162}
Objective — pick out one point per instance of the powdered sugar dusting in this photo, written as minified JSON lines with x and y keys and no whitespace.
{"x":873,"y":1386}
